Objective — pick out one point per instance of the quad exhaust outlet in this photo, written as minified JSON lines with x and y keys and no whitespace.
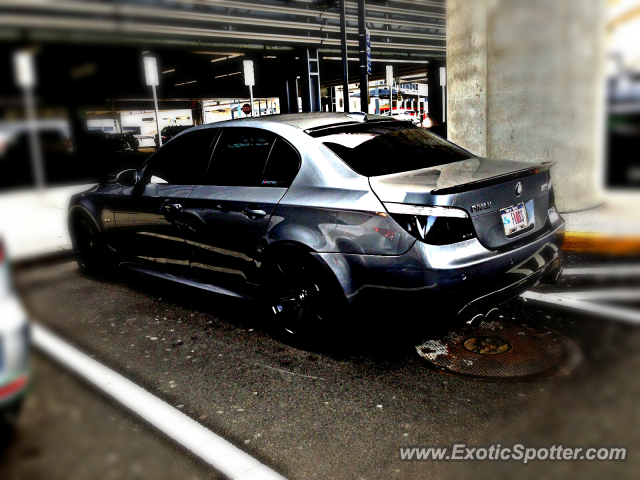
{"x":478,"y":319}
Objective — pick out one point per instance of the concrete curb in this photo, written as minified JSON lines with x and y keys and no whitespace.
{"x":582,"y":242}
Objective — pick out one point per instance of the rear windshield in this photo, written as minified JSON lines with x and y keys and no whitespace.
{"x":382,"y":148}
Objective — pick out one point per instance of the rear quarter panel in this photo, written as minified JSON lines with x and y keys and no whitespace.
{"x":331,"y":208}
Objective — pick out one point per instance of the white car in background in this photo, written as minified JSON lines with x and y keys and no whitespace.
{"x":403,"y":116}
{"x":15,"y":371}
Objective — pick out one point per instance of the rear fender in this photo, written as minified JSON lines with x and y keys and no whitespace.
{"x":338,"y":231}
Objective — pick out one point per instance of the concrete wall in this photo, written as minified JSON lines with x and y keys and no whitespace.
{"x":525,"y":83}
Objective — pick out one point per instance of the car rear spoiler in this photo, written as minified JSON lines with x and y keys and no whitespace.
{"x":488,"y":182}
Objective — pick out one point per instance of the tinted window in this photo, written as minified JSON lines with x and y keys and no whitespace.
{"x":381,"y":148}
{"x":240,"y":156}
{"x":183,"y":160}
{"x":282,"y":166}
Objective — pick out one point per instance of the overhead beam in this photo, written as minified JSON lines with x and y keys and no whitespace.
{"x":115,"y":27}
{"x":124,"y":9}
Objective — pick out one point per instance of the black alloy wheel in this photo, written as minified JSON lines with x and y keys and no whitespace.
{"x":87,"y":246}
{"x":300,"y":295}
{"x":8,"y":420}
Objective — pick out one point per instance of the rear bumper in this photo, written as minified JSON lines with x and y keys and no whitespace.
{"x":441,"y":283}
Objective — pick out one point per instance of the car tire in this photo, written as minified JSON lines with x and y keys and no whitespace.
{"x":88,"y":245}
{"x":301,"y":297}
{"x":8,"y":420}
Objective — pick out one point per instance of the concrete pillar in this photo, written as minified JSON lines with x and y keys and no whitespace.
{"x":525,"y":82}
{"x":283,"y":95}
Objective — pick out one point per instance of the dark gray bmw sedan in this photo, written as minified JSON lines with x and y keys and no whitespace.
{"x":312,"y":214}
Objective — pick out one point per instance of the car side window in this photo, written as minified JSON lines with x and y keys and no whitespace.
{"x":240,"y":157}
{"x":282,"y":166}
{"x":182,"y":161}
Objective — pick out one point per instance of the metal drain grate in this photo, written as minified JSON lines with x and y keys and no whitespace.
{"x":501,"y":351}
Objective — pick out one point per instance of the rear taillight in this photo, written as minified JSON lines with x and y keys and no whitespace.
{"x":432,"y":224}
{"x":2,"y":254}
{"x":552,"y":196}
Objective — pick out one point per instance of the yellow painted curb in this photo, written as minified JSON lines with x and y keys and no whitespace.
{"x":601,"y":243}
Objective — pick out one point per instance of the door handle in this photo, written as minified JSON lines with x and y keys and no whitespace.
{"x":171,"y":207}
{"x":254,"y":211}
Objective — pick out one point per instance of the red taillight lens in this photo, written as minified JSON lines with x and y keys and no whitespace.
{"x":13,"y":387}
{"x":552,"y":195}
{"x":434,"y":225}
{"x":2,"y":254}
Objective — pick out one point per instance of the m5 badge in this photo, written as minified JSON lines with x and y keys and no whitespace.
{"x":481,"y":206}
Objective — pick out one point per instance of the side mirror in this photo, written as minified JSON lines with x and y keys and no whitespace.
{"x":127,"y":178}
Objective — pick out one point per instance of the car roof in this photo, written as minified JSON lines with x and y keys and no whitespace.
{"x":304,"y":121}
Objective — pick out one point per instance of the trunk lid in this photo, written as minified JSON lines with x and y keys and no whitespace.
{"x":481,"y":187}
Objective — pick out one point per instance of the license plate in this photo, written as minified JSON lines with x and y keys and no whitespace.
{"x":514,"y":218}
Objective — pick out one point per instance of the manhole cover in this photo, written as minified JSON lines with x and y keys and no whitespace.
{"x":487,"y":345}
{"x":501,"y":351}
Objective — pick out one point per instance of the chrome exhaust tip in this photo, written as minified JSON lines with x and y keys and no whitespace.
{"x":552,"y":277}
{"x":476,"y":320}
{"x":556,"y":277}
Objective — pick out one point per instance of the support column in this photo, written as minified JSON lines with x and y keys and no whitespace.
{"x":288,"y":85}
{"x":292,"y":81}
{"x":362,"y":42}
{"x":283,"y":96}
{"x":436,"y":113}
{"x":343,"y":48}
{"x":310,"y":80}
{"x":525,"y":82}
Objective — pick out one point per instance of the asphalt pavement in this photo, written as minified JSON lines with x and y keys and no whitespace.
{"x":67,"y":430}
{"x":334,"y":412}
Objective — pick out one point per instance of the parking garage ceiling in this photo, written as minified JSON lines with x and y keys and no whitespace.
{"x":93,"y":48}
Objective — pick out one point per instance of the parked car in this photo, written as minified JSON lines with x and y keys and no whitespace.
{"x":312,"y":214}
{"x":16,"y":168}
{"x":404,"y":116}
{"x":123,"y":141}
{"x":101,"y":143}
{"x":14,"y":352}
{"x":171,"y":131}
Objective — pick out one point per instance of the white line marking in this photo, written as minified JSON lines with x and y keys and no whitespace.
{"x":625,"y":270}
{"x":607,"y":294}
{"x":563,"y":301}
{"x":211,"y":448}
